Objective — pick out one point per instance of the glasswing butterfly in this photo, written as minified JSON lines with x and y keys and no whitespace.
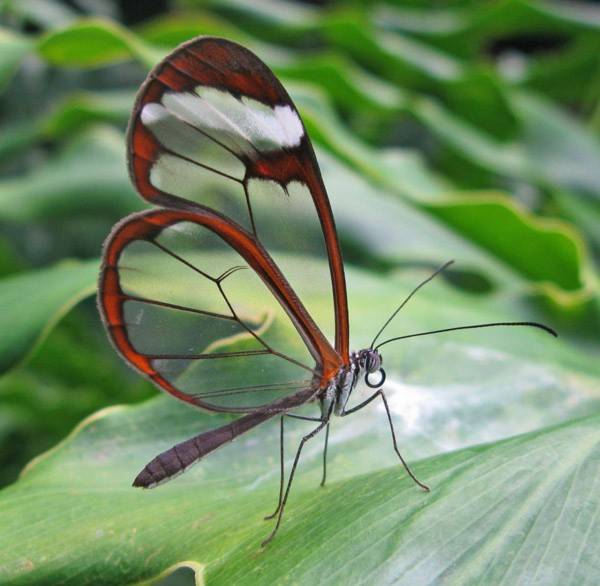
{"x":194,"y":294}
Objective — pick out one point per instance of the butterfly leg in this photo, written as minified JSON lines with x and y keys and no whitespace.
{"x":307,"y":437}
{"x":381,"y":394}
{"x":324,"y":477}
{"x":281,"y":471}
{"x":281,"y":457}
{"x":318,"y":419}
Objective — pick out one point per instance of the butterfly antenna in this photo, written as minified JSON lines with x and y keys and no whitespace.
{"x":531,"y":324}
{"x":433,"y":275}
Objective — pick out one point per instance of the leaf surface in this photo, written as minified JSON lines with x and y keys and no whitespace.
{"x":445,"y":393}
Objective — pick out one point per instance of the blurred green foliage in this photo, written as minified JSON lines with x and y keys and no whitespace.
{"x":465,"y":130}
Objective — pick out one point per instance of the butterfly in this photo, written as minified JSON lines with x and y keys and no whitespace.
{"x":194,"y":294}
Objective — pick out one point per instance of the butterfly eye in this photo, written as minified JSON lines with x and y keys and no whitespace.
{"x":372,"y":361}
{"x":376,"y":384}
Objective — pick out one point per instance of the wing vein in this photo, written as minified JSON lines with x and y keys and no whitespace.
{"x":179,"y":307}
{"x":188,"y":160}
{"x":182,"y":260}
{"x":209,"y":356}
{"x":250,"y":212}
{"x":303,"y":382}
{"x":242,"y":390}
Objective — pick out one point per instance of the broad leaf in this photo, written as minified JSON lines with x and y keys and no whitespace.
{"x":370,"y":522}
{"x":89,"y":177}
{"x":94,"y":42}
{"x":33,"y":302}
{"x":70,"y":375}
{"x":13,"y":49}
{"x":72,"y":114}
{"x":485,"y":221}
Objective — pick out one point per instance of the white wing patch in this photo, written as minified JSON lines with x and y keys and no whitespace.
{"x":291,"y":125}
{"x":243,"y":126}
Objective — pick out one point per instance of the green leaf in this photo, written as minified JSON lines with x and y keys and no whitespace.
{"x":13,"y":49}
{"x":269,"y":19}
{"x":553,"y":149}
{"x":172,"y":29}
{"x":499,"y":512}
{"x":9,"y":261}
{"x":18,"y":137}
{"x":577,"y":16}
{"x":430,"y":23}
{"x":476,"y":147}
{"x":33,"y":302}
{"x":411,"y":235}
{"x":485,"y":221}
{"x":88,"y":178}
{"x":467,"y":29}
{"x":349,"y":87}
{"x":560,"y":149}
{"x":44,"y":13}
{"x":71,"y":374}
{"x":584,"y":211}
{"x":555,"y":75}
{"x":491,"y":386}
{"x":554,"y":252}
{"x":369,"y":527}
{"x":397,"y":58}
{"x":475,"y":95}
{"x":69,"y":116}
{"x":84,"y":108}
{"x":93,"y":43}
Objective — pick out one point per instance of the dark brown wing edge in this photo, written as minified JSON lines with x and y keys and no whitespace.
{"x":146,"y":225}
{"x":179,"y":458}
{"x":225,"y":65}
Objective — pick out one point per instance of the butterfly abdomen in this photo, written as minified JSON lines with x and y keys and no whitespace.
{"x":179,"y":458}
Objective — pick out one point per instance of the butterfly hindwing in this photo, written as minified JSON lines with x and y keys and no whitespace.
{"x":197,"y":305}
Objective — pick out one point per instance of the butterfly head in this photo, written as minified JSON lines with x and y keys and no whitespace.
{"x":370,"y":360}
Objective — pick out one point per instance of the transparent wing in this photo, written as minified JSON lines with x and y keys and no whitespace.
{"x":213,"y":126}
{"x":200,"y":308}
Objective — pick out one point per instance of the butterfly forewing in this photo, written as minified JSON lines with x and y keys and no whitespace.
{"x":213,"y":127}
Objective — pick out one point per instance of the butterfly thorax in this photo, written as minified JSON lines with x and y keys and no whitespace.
{"x":364,"y":362}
